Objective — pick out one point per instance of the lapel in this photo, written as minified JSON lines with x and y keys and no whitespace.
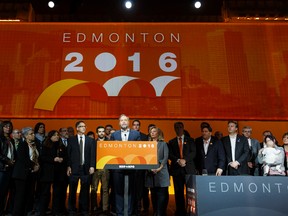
{"x":184,"y":145}
{"x":237,"y":144}
{"x":77,"y":142}
{"x":118,"y":136}
{"x":210,"y":146}
{"x":228,"y":146}
{"x":202,"y":148}
{"x":176,"y":145}
{"x":86,"y":145}
{"x":130,"y":135}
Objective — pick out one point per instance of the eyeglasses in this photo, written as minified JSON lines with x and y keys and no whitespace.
{"x":81,"y":126}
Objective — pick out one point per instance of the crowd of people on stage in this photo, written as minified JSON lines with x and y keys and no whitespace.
{"x":37,"y":167}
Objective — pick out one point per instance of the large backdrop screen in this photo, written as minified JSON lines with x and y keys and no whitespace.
{"x":146,"y":70}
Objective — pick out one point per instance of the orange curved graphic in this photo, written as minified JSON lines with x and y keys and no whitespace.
{"x":150,"y":158}
{"x":116,"y":160}
{"x":49,"y":97}
{"x":101,"y":163}
{"x":109,"y":159}
{"x":138,"y":160}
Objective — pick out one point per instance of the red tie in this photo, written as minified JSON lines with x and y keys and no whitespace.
{"x":180,"y":147}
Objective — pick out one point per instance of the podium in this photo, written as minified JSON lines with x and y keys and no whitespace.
{"x":238,"y":196}
{"x":126,"y":155}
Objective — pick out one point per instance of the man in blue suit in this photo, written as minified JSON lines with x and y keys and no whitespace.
{"x":124,"y":134}
{"x":210,"y":156}
{"x":81,"y":152}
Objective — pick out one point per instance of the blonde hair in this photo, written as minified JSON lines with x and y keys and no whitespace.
{"x":160,"y":133}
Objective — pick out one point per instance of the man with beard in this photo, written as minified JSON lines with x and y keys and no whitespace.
{"x":124,"y":134}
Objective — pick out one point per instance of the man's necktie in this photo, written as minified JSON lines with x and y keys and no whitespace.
{"x":180,"y":147}
{"x":81,"y":151}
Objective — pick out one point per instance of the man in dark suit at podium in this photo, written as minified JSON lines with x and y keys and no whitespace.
{"x":124,"y":134}
{"x":237,"y":151}
{"x":81,"y":164}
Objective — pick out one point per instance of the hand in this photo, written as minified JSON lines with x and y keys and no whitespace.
{"x":91,"y":170}
{"x":250,"y":165}
{"x":58,"y":159}
{"x":260,"y":151}
{"x":219,"y":172}
{"x":10,"y":163}
{"x":69,"y":171}
{"x":182,"y":162}
{"x":155,"y":171}
{"x":36,"y":168}
{"x":234,"y":164}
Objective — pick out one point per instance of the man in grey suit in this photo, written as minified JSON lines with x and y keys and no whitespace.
{"x":81,"y":152}
{"x":254,"y":147}
{"x":237,"y":151}
{"x":124,"y":134}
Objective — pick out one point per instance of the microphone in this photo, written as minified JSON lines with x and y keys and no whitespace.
{"x":125,"y":135}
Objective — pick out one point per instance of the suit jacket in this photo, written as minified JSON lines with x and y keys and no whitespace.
{"x":60,"y":169}
{"x":3,"y":152}
{"x":215,"y":157}
{"x":47,"y":163}
{"x":23,"y":165}
{"x":133,"y":135}
{"x":143,"y":137}
{"x":189,"y":153}
{"x":255,"y":147}
{"x":241,"y":154}
{"x":161,"y":179}
{"x":73,"y":154}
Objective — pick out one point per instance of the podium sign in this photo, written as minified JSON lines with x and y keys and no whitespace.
{"x":238,"y":196}
{"x":126,"y":155}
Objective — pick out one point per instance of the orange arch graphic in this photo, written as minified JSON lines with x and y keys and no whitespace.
{"x":49,"y":97}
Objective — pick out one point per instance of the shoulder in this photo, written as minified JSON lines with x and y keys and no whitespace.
{"x":225,"y":139}
{"x":172,"y":140}
{"x":143,"y":136}
{"x":199,"y":140}
{"x":115,"y":134}
{"x":72,"y":137}
{"x":162,"y":143}
{"x":187,"y":139}
{"x":242,"y":139}
{"x":89,"y":139}
{"x":134,"y":132}
{"x":254,"y":140}
{"x":215,"y":140}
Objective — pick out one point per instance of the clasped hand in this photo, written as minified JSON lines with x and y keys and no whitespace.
{"x":182,"y":162}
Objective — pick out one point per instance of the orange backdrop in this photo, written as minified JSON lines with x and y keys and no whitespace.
{"x":146,"y":70}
